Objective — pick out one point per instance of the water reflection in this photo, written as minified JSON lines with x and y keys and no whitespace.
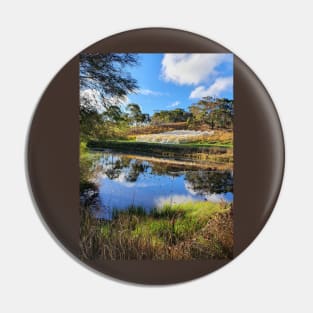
{"x":125,"y":181}
{"x":210,"y":181}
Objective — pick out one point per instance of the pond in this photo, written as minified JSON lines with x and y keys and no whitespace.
{"x":125,"y":180}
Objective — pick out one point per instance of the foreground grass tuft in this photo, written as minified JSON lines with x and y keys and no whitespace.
{"x":192,"y":230}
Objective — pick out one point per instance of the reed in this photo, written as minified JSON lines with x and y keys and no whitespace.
{"x":188,"y":231}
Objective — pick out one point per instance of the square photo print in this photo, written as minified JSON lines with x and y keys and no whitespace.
{"x":156,"y":156}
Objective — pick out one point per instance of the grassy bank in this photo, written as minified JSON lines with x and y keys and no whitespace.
{"x":218,"y":157}
{"x":132,"y":144}
{"x":192,"y":230}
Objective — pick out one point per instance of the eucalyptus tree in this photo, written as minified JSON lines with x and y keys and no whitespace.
{"x":135,"y":114}
{"x":216,"y":112}
{"x":104,"y":84}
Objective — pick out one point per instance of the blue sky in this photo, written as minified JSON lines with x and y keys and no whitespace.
{"x":169,"y":81}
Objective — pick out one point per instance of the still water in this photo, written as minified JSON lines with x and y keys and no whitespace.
{"x":129,"y":180}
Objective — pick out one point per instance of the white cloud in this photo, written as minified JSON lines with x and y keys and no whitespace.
{"x":192,"y":68}
{"x":149,"y":92}
{"x":221,"y":84}
{"x":174,"y":104}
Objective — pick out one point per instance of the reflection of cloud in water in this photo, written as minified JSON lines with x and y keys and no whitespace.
{"x":215,"y":197}
{"x":188,"y":186}
{"x":139,"y":183}
{"x":122,"y":179}
{"x":212,"y":197}
{"x":129,"y":183}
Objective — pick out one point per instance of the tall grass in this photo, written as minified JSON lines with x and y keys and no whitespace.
{"x":216,"y":137}
{"x":175,"y":137}
{"x":187,"y":231}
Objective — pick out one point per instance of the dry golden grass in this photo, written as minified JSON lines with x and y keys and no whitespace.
{"x":168,"y":236}
{"x":155,"y":134}
{"x":174,"y":138}
{"x":223,"y":136}
{"x":155,"y":129}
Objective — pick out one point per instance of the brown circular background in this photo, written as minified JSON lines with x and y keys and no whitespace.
{"x":54,"y":176}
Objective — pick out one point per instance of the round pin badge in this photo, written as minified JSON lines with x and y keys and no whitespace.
{"x":155,"y":156}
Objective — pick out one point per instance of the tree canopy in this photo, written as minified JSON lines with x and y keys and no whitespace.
{"x":106,"y":74}
{"x":135,"y":113}
{"x":216,"y":112}
{"x":170,"y":116}
{"x":104,"y":83}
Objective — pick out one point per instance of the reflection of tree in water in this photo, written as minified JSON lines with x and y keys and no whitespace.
{"x":124,"y":161}
{"x":112,"y":167}
{"x":165,"y":169}
{"x":112,"y":173}
{"x":210,"y":181}
{"x":135,"y":169}
{"x":201,"y":181}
